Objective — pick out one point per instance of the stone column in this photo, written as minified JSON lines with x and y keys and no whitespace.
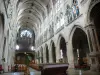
{"x":1,"y":49}
{"x":5,"y":56}
{"x":66,"y":58}
{"x":40,"y":56}
{"x":57,"y":54}
{"x":93,"y":46}
{"x":92,"y":38}
{"x":50,"y":55}
{"x":70,"y":55}
{"x":44,"y":55}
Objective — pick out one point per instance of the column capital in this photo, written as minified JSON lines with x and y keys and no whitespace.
{"x":90,"y":26}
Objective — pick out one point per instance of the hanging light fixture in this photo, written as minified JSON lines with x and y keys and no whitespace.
{"x":32,"y":48}
{"x":17,"y":47}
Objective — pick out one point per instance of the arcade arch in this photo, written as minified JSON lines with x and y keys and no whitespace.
{"x":80,"y":47}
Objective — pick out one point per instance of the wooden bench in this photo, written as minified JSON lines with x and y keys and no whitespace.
{"x":53,"y":69}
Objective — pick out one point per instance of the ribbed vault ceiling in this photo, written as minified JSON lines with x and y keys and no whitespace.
{"x":32,"y":12}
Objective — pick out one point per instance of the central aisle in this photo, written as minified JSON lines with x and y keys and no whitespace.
{"x":34,"y":72}
{"x":69,"y":72}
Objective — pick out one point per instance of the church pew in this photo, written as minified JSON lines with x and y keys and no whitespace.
{"x":53,"y":69}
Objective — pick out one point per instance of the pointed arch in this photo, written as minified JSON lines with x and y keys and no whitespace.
{"x":53,"y":50}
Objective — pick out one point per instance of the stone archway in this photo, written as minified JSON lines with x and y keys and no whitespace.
{"x":95,"y":19}
{"x":94,"y":33}
{"x":53,"y":52}
{"x":80,"y":47}
{"x":63,"y":50}
{"x":47,"y":54}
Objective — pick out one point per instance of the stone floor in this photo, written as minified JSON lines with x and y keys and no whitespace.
{"x":69,"y":72}
{"x":81,"y":72}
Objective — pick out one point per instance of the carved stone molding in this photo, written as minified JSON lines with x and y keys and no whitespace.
{"x":93,"y":2}
{"x":83,"y":1}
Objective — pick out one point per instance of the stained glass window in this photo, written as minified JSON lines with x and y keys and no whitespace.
{"x":26,"y":33}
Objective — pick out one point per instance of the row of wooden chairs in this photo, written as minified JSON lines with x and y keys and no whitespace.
{"x":35,"y":66}
{"x":20,"y":68}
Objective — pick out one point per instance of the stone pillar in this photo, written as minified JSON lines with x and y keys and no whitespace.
{"x":92,"y":38}
{"x":66,"y":58}
{"x":1,"y":49}
{"x":93,"y":46}
{"x":70,"y":55}
{"x":5,"y":56}
{"x":44,"y":55}
{"x":53,"y":56}
{"x":52,"y":61}
{"x":50,"y":55}
{"x":40,"y":56}
{"x":58,"y":55}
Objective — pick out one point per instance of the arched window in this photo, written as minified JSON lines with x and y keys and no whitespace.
{"x":26,"y":33}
